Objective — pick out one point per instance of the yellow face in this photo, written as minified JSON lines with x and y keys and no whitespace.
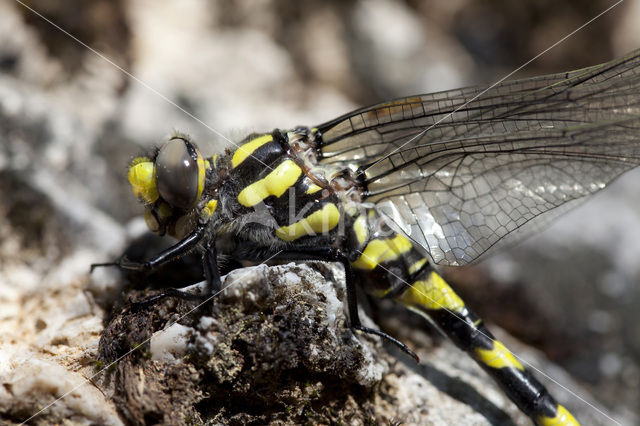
{"x":170,"y":185}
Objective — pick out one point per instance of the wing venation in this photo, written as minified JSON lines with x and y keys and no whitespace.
{"x":468,"y":167}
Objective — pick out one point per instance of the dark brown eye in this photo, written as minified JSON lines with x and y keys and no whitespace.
{"x":177,"y":173}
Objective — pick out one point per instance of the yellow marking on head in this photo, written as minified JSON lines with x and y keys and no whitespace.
{"x":151,"y":221}
{"x":432,"y":294}
{"x":248,"y":148}
{"x":275,"y":183}
{"x":164,"y":211}
{"x":498,"y":357}
{"x":208,"y":210}
{"x":202,"y":173}
{"x":214,"y":160}
{"x":142,"y":177}
{"x":321,"y":221}
{"x":312,"y":189}
{"x":416,"y":266}
{"x":562,"y":418}
{"x":378,"y":251}
{"x":361,"y":228}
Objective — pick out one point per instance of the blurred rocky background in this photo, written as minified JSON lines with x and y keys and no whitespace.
{"x":71,"y":119}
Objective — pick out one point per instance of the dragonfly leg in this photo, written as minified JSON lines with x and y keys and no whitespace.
{"x":169,"y":255}
{"x":173,"y":253}
{"x":212,"y":278}
{"x":332,"y":254}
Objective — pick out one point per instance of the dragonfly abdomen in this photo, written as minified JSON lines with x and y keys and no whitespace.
{"x":388,"y":265}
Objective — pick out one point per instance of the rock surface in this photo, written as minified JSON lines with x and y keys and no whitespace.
{"x":272,"y":347}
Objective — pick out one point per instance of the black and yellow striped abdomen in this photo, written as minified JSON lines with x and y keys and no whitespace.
{"x":388,"y":265}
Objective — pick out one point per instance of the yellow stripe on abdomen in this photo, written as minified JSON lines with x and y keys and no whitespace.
{"x":432,"y":294}
{"x":321,"y":221}
{"x":275,"y":183}
{"x":379,"y":250}
{"x":497,"y":357}
{"x":562,"y":418}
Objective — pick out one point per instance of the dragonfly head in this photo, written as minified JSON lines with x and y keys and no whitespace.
{"x":170,"y":184}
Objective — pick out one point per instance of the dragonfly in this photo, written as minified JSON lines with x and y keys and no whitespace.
{"x":395,"y":190}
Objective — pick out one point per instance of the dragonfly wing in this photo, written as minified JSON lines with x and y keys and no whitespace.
{"x":460,"y":170}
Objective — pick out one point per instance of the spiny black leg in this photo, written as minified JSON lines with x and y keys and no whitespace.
{"x":212,"y":277}
{"x":174,"y":252}
{"x":354,"y":316}
{"x":211,"y":272}
{"x":335,"y":255}
{"x":210,"y":266}
{"x":167,"y":256}
{"x":404,"y":348}
{"x":170,"y":292}
{"x":102,"y":265}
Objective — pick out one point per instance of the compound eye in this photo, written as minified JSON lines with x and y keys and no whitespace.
{"x":177,"y":173}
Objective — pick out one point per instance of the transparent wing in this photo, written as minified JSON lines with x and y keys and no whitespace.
{"x":460,"y":170}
